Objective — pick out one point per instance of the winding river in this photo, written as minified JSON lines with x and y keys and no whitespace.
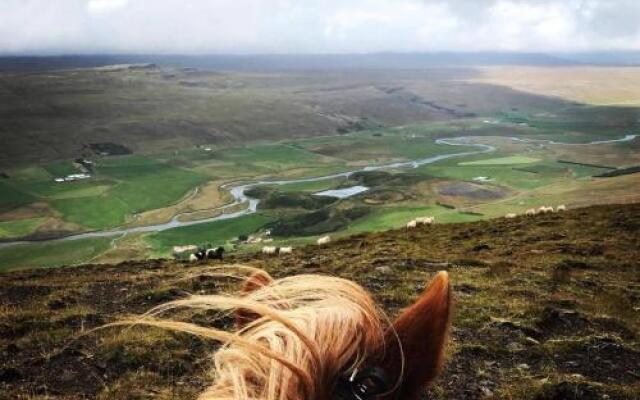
{"x":237,"y":190}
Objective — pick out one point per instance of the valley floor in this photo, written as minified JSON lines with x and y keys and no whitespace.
{"x":547,"y":307}
{"x":125,"y":147}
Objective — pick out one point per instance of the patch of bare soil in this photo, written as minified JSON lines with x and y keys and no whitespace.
{"x":32,"y":210}
{"x":55,"y":227}
{"x":601,"y":359}
{"x":384,"y":196}
{"x":204,"y":200}
{"x":472,"y":191}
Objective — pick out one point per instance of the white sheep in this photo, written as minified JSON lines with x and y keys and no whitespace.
{"x":286,"y":250}
{"x":412,"y":224}
{"x":561,"y":207}
{"x":510,"y":216}
{"x":323,"y":240}
{"x":425,"y":220}
{"x":531,"y":211}
{"x":192,"y":258}
{"x":183,"y":249}
{"x":545,"y":209}
{"x":269,"y":250}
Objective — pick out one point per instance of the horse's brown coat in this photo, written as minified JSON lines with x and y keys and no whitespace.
{"x":423,"y":330}
{"x":254,"y":282}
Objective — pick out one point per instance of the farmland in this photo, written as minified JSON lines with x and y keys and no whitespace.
{"x":503,"y":161}
{"x":127,"y":187}
{"x":215,"y":232}
{"x":53,"y":254}
{"x":247,"y":127}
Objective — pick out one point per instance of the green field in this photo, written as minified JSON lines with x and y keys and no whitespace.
{"x":121,"y":186}
{"x":40,"y":255}
{"x":502,"y":161}
{"x":35,"y":172}
{"x":89,"y":191}
{"x":60,"y":168}
{"x":216,"y":233}
{"x":556,"y":169}
{"x":97,"y":212}
{"x":397,"y":217}
{"x":371,"y":147}
{"x":501,"y":175}
{"x":20,"y":228}
{"x":274,"y":157}
{"x":11,"y":198}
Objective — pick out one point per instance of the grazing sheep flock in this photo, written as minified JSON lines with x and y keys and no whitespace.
{"x":541,"y":210}
{"x":286,"y":250}
{"x":215,"y":253}
{"x":425,"y":220}
{"x":420,"y":221}
{"x":273,"y":250}
{"x":270,"y":250}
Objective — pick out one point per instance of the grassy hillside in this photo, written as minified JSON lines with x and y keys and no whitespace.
{"x":65,"y":114}
{"x":546,"y":308}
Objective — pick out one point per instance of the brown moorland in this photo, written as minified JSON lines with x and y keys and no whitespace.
{"x":590,"y":85}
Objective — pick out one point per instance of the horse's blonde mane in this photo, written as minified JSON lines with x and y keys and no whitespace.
{"x":306,"y":331}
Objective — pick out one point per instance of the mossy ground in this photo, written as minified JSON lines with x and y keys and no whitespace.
{"x":547,"y":307}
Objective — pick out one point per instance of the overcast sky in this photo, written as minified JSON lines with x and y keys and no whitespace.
{"x":315,"y":26}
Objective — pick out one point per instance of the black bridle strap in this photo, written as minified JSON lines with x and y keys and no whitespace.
{"x":366,"y":384}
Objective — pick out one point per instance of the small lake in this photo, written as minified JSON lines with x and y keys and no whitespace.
{"x":343,"y":193}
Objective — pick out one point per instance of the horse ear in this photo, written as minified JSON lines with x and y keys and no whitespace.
{"x":423,"y":331}
{"x":257,"y":280}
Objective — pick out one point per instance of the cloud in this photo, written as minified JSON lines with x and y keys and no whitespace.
{"x":320,"y":26}
{"x":105,"y":6}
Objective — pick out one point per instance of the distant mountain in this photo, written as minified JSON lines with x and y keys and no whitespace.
{"x":619,"y":58}
{"x":288,"y":61}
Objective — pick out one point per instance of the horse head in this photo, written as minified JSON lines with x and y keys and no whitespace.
{"x":319,"y":337}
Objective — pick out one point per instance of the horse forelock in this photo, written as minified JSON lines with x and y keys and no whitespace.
{"x":303,"y":333}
